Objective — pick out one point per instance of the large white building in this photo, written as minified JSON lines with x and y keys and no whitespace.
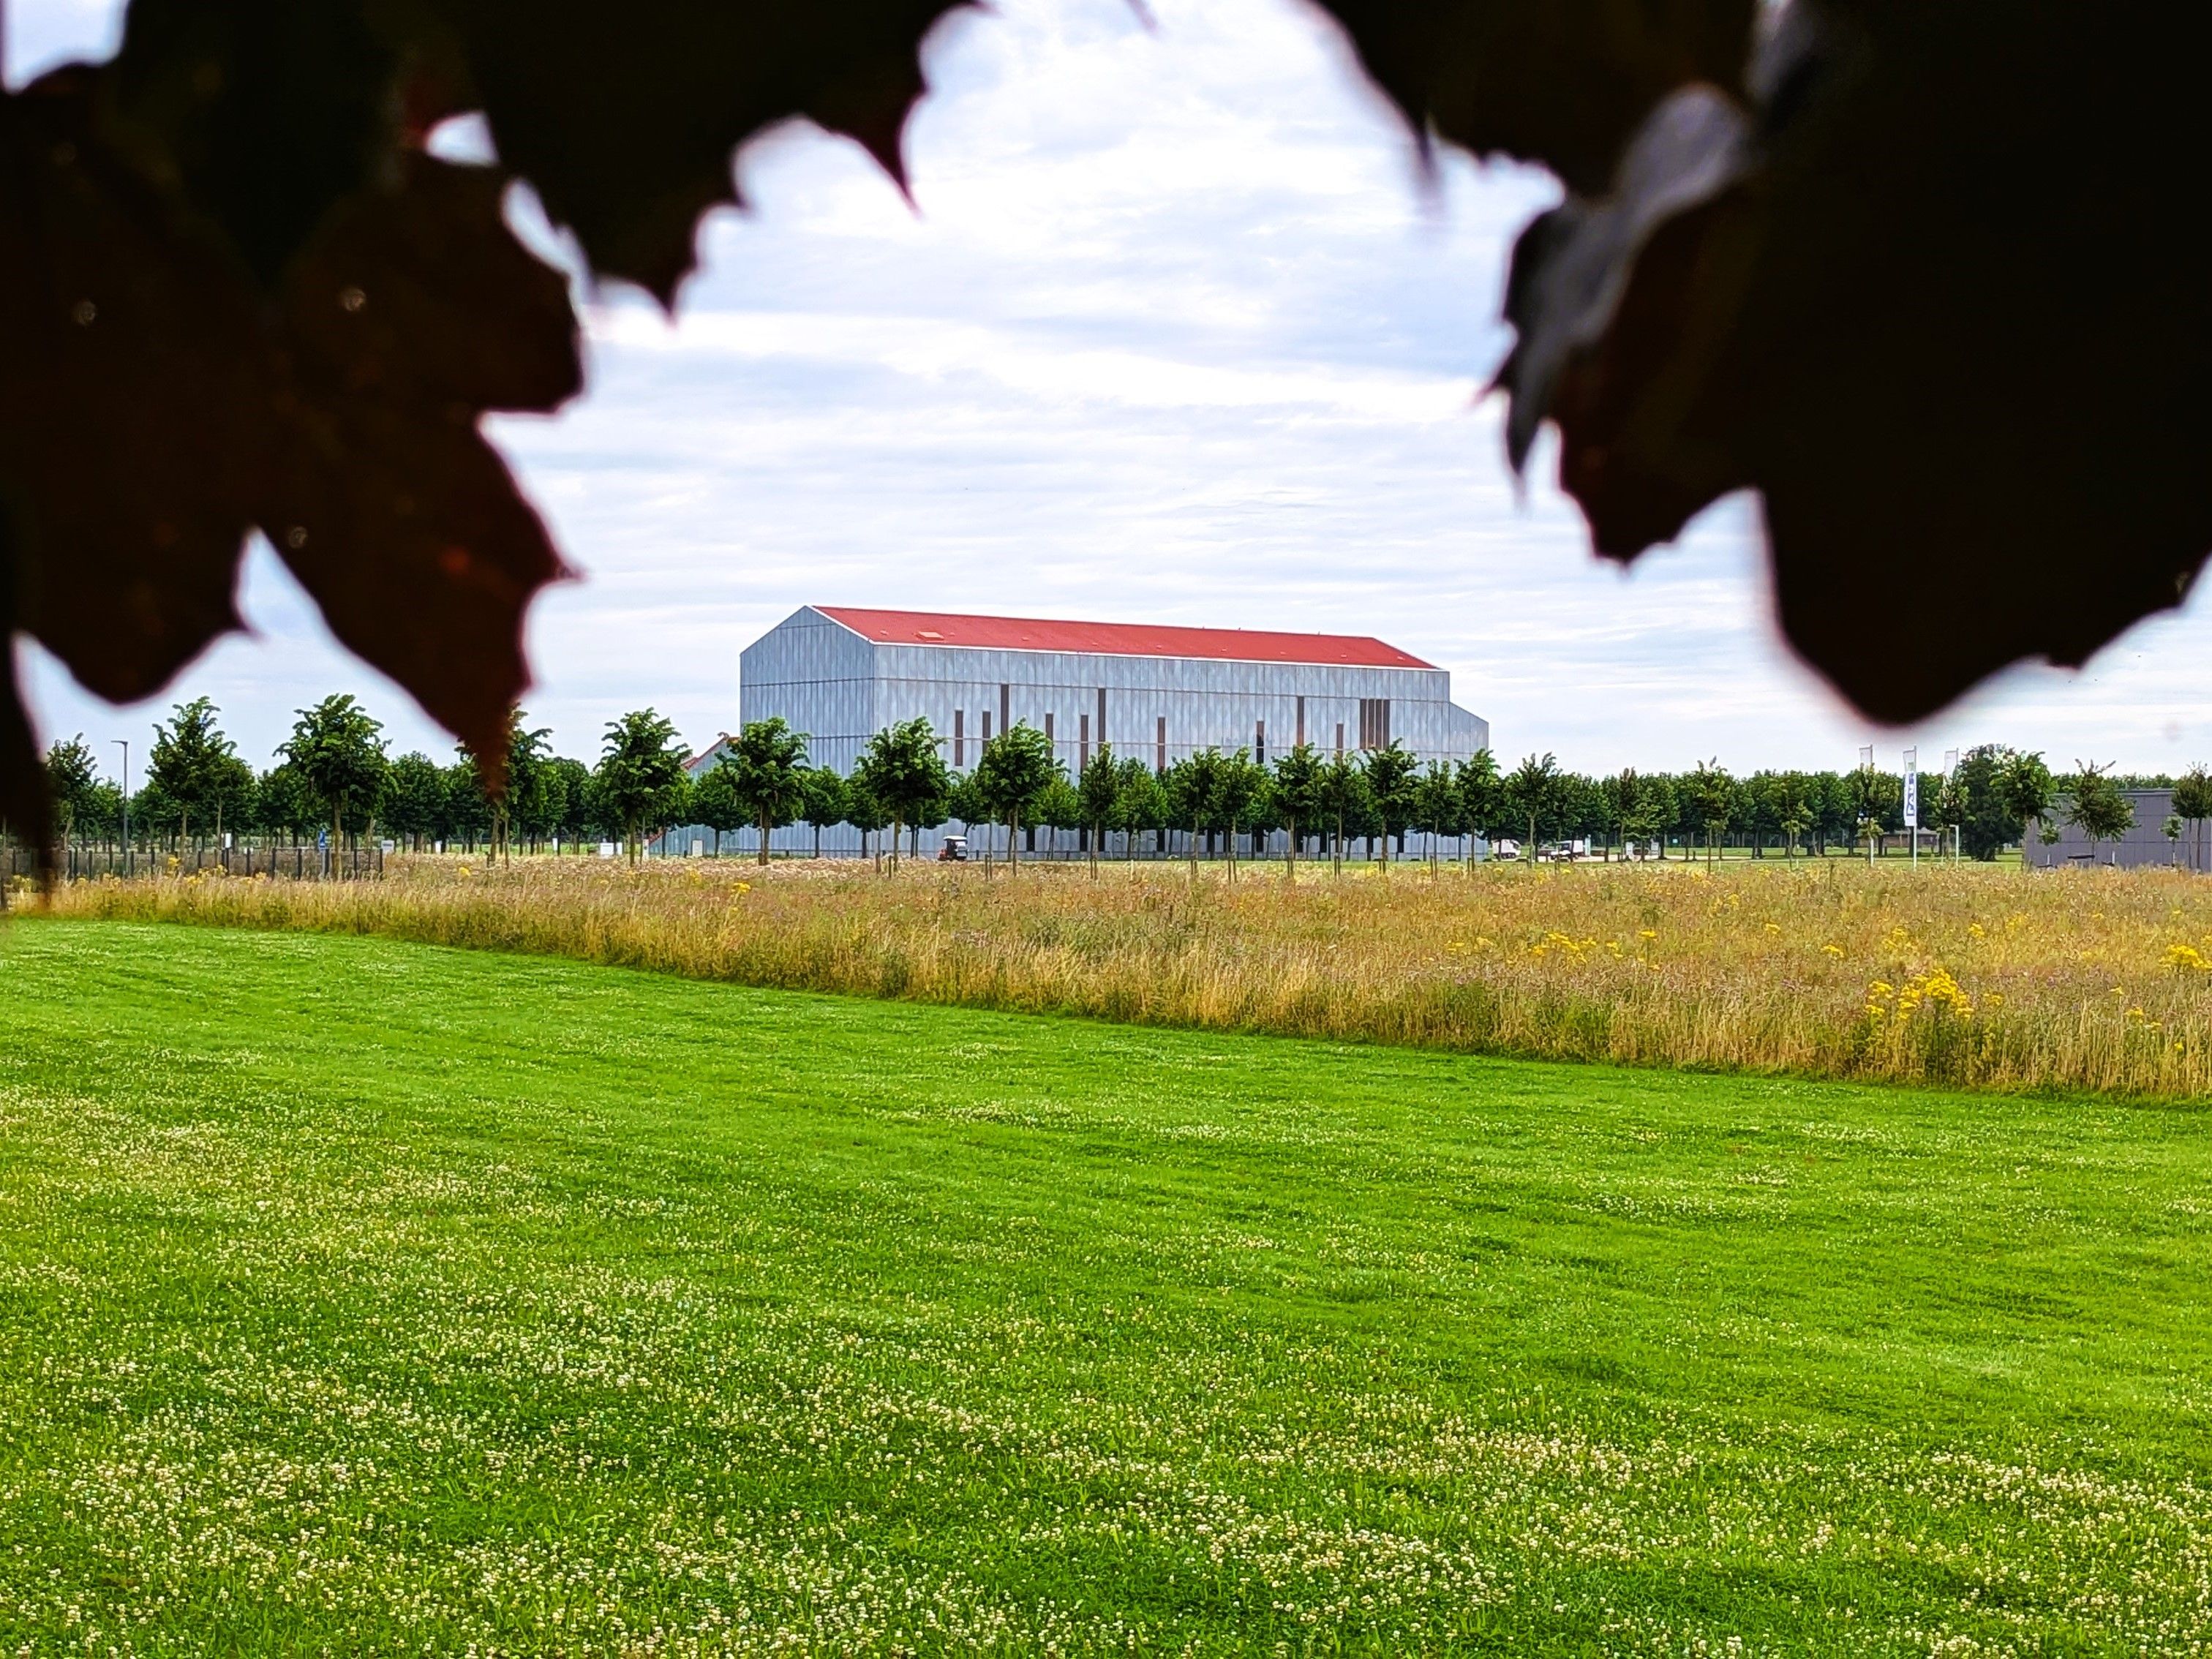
{"x":840,"y":674}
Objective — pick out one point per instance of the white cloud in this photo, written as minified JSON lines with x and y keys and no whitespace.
{"x":1173,"y":330}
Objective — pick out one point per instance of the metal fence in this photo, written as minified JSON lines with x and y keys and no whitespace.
{"x":278,"y":863}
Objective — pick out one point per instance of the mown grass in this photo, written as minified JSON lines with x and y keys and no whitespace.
{"x":1963,"y":976}
{"x":361,"y":1297}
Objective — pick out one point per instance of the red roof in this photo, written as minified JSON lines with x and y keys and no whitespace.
{"x":1117,"y":639}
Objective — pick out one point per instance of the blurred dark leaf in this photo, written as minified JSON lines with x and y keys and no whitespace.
{"x":25,"y":806}
{"x":1560,"y":82}
{"x":261,"y":113}
{"x":629,"y":147}
{"x":411,"y":313}
{"x":134,"y":403}
{"x":1944,"y":314}
{"x":154,"y":407}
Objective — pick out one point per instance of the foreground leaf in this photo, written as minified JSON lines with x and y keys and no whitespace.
{"x":134,"y":403}
{"x":1937,"y":306}
{"x":1560,"y":82}
{"x":413,"y":313}
{"x":629,"y":148}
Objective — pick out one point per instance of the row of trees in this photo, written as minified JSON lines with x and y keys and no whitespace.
{"x":1383,"y":796}
{"x":333,"y":774}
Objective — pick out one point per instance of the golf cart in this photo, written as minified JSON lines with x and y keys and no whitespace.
{"x":953,"y":851}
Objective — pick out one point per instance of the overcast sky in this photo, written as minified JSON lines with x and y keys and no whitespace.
{"x":1174,"y":331}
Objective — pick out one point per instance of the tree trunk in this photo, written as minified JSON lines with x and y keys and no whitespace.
{"x":1014,"y":839}
{"x":763,"y":841}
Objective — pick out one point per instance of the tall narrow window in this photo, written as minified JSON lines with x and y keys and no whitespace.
{"x":1006,"y":704}
{"x":1101,"y":728}
{"x":1302,"y":720}
{"x":960,"y":737}
{"x":1047,"y":728}
{"x":987,"y":728}
{"x":1340,"y":737}
{"x":1160,"y":763}
{"x":1375,"y":722}
{"x":1260,"y":742}
{"x":1082,"y":742}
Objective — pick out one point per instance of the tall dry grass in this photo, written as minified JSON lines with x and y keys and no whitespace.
{"x":1969,"y":976}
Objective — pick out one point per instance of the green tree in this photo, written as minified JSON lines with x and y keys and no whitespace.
{"x":1297,"y":797}
{"x":965,"y":803}
{"x":414,"y":802}
{"x":1439,"y":809}
{"x":1014,"y":771}
{"x":1712,"y":794}
{"x":1953,"y":804}
{"x":2192,"y":800}
{"x":901,"y":771}
{"x":2028,"y":789}
{"x":1640,"y":808}
{"x":1193,"y":792}
{"x":2096,"y":806}
{"x":1059,"y":807}
{"x":521,"y":797}
{"x":1139,"y":804}
{"x":72,"y":779}
{"x":1240,"y":800}
{"x":567,"y":799}
{"x":767,"y":767}
{"x":1392,"y":773}
{"x":821,"y":801}
{"x":287,"y":804}
{"x":1483,"y":793}
{"x":1991,"y":817}
{"x":466,"y":819}
{"x":1532,"y":796}
{"x":2193,"y":794}
{"x":715,"y":802}
{"x":862,"y":810}
{"x":1096,"y":792}
{"x":186,"y":763}
{"x":1342,"y":794}
{"x":640,"y":779}
{"x":339,"y":752}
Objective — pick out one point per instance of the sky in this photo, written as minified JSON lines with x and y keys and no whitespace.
{"x":1175,"y":329}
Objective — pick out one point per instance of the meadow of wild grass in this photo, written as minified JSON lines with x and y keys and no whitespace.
{"x":361,"y":1297}
{"x":1964,"y":975}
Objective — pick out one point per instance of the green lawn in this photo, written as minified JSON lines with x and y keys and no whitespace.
{"x":361,"y":1296}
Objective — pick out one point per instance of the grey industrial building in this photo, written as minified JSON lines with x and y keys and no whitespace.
{"x":2146,"y":844}
{"x":840,"y":674}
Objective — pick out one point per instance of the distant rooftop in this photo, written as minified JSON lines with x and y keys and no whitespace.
{"x":1117,"y":639}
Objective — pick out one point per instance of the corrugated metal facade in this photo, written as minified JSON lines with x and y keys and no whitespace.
{"x":2147,"y":843}
{"x":840,"y":689}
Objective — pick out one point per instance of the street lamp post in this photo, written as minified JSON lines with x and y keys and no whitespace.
{"x":125,"y":745}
